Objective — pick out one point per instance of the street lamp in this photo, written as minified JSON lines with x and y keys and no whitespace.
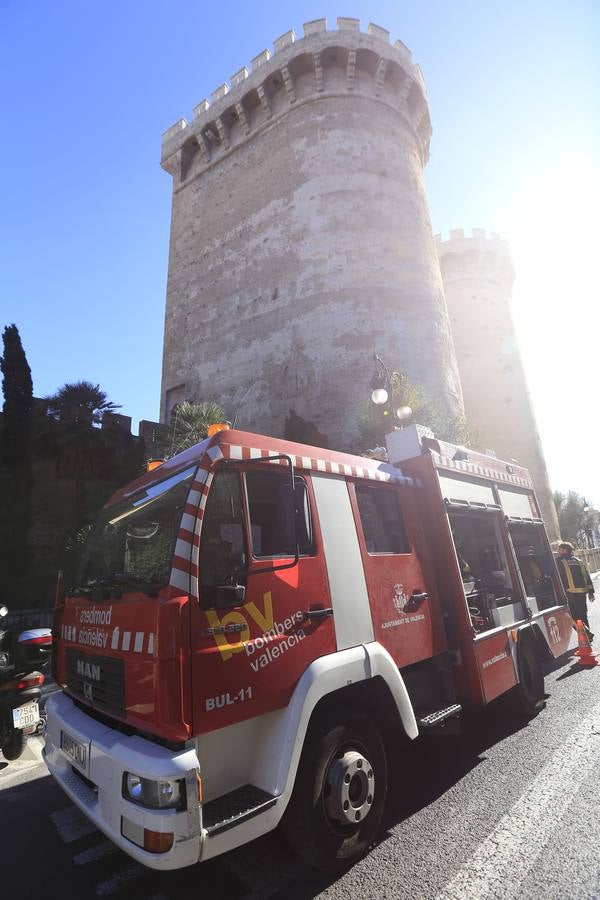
{"x":382,"y":391}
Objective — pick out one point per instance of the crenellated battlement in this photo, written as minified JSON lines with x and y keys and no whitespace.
{"x":458,"y":234}
{"x":480,"y":252}
{"x":322,"y":62}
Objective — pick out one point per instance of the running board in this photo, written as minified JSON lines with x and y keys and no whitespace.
{"x":231,"y":809}
{"x":438,"y":717}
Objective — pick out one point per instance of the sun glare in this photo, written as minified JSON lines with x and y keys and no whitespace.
{"x":556,"y":306}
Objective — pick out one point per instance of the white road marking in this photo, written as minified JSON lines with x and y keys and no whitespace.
{"x":71,"y":824}
{"x":36,"y":744}
{"x":98,"y":851}
{"x":120,"y":879}
{"x":502,"y":861}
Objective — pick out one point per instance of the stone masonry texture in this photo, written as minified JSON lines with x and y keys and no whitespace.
{"x":478,"y":276}
{"x":301,"y":242}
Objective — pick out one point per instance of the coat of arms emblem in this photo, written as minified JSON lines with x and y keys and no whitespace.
{"x":400,"y":597}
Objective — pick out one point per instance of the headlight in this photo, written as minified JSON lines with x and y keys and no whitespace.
{"x":168,"y":793}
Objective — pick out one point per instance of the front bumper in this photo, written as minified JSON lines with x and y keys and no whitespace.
{"x":110,"y":753}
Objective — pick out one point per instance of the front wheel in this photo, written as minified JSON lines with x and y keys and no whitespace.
{"x":14,"y":744}
{"x":528,"y":695}
{"x":339,"y":795}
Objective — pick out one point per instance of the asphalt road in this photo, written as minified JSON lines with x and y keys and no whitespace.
{"x":505,"y":810}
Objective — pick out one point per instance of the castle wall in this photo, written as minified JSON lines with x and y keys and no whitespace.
{"x":301,"y":242}
{"x":478,"y":275}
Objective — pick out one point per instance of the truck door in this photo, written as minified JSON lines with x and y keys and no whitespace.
{"x":249,"y":654}
{"x":406,"y":617}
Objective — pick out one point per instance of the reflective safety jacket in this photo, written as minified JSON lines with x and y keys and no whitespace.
{"x":574,"y":576}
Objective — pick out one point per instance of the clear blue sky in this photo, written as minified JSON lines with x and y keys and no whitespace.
{"x":87,"y":88}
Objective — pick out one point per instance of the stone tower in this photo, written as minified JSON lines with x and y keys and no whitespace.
{"x":478,"y":275}
{"x":301,"y":240}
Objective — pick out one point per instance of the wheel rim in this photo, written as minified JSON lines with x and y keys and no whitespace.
{"x":349,"y":788}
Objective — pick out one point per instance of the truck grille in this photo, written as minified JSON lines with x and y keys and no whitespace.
{"x":98,"y":680}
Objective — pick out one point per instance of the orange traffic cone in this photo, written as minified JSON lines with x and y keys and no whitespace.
{"x":584,"y":648}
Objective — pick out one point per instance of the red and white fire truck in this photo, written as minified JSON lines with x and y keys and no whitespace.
{"x":256,"y":621}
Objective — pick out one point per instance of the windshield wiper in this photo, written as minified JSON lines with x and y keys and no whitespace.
{"x":120,"y":580}
{"x":115,"y":583}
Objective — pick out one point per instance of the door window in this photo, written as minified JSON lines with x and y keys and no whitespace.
{"x":381,"y":519}
{"x":492,"y":597}
{"x":222,"y":548}
{"x":535,"y":564}
{"x":275,"y":521}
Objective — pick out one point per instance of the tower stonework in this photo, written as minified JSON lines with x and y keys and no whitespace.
{"x":478,"y":275}
{"x":301,"y":240}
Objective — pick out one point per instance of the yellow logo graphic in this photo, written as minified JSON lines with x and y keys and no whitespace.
{"x":263,"y":619}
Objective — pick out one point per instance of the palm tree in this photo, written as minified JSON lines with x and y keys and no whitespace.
{"x":80,"y":403}
{"x":190,"y":422}
{"x":81,"y":450}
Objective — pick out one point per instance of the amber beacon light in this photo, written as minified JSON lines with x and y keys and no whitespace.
{"x":216,"y":427}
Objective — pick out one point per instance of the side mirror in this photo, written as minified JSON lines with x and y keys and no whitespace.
{"x":3,"y":611}
{"x":230,"y":595}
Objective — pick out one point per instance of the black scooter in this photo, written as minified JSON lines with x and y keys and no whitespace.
{"x":20,"y":684}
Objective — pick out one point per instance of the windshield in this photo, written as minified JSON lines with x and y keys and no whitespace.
{"x":133,"y":542}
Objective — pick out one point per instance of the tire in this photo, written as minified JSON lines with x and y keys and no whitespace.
{"x":339,"y":794}
{"x":528,"y":695}
{"x":14,"y":744}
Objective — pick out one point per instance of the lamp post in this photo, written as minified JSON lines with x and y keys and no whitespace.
{"x":382,"y":392}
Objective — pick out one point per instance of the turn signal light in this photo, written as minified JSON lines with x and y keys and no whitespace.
{"x":216,"y":427}
{"x":158,"y":841}
{"x":153,"y":464}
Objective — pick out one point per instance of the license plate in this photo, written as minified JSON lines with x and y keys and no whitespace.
{"x":75,"y":750}
{"x":26,"y":716}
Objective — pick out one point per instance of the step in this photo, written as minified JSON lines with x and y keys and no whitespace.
{"x":229,"y":810}
{"x":439,"y":716}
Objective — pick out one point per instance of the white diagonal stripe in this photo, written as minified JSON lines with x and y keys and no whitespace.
{"x":139,"y":642}
{"x":215,"y":453}
{"x":120,"y":879}
{"x":187,"y":522}
{"x":183,"y":548}
{"x":179,"y":579}
{"x":98,"y":851}
{"x":503,"y":860}
{"x":71,"y":824}
{"x":126,"y":640}
{"x":194,"y":497}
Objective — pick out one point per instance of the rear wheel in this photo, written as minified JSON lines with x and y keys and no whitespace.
{"x":14,"y":744}
{"x":339,"y":794}
{"x":528,"y":695}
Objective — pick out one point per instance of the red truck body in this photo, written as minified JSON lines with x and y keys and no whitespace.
{"x":259,"y":583}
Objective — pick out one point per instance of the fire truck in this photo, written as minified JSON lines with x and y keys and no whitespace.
{"x":256,"y":623}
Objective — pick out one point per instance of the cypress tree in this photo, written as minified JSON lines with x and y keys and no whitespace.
{"x":15,"y":464}
{"x":18,"y":401}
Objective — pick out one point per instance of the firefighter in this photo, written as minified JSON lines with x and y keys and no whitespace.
{"x":576,"y":582}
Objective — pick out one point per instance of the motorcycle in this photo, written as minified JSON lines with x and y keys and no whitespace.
{"x":20,"y":684}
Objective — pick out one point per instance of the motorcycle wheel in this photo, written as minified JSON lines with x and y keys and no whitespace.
{"x":14,"y":744}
